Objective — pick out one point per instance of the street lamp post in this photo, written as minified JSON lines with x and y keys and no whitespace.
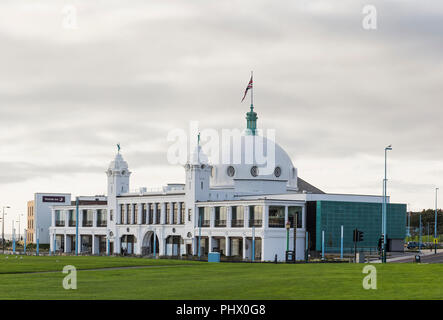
{"x":19,"y":235}
{"x":419,"y":238}
{"x":76,"y":226}
{"x":435,"y":227}
{"x":13,"y":237}
{"x":3,"y":227}
{"x":409,"y":220}
{"x":25,"y":234}
{"x":384,"y":222}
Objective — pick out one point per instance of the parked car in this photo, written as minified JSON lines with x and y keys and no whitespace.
{"x":414,"y":245}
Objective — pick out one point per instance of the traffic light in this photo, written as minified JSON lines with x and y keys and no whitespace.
{"x":360,"y":235}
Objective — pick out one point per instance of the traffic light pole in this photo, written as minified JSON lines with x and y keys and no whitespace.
{"x":435,"y":225}
{"x":355,"y":237}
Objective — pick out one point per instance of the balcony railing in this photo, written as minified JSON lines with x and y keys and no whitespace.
{"x":237,"y":223}
{"x":72,"y":223}
{"x":220,"y":223}
{"x":59,"y":223}
{"x":87,"y":224}
{"x":276,"y":222}
{"x":205,"y":223}
{"x":255,"y":223}
{"x":102,"y":223}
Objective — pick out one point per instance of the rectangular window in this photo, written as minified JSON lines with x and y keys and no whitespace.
{"x":129,"y":214}
{"x":182,"y":213}
{"x":151,"y":213}
{"x":101,"y":218}
{"x":295,"y":212}
{"x":168,"y":213}
{"x":111,"y":215}
{"x":87,"y":218}
{"x":158,"y":214}
{"x":174,"y":213}
{"x":238,"y":214}
{"x":220,"y":216}
{"x":204,"y":216}
{"x":59,"y":218}
{"x":122,"y":214}
{"x":255,"y":216}
{"x":276,"y":217}
{"x":71,"y":218}
{"x":135,"y":212}
{"x":144,"y":213}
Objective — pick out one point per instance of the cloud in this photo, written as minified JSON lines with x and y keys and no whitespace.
{"x":336,"y":93}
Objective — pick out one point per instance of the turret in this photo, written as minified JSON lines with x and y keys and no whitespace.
{"x":198,"y":172}
{"x":118,"y":183}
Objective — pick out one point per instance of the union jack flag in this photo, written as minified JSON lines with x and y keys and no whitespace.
{"x":247,"y":88}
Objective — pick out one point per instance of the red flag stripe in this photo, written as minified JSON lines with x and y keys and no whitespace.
{"x":247,"y":88}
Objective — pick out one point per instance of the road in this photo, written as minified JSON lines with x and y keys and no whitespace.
{"x":429,"y":258}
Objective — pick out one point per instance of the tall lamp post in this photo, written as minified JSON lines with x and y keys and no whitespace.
{"x":76,"y":226}
{"x":19,"y":235}
{"x":3,"y":227}
{"x":435,"y":227}
{"x":384,"y":222}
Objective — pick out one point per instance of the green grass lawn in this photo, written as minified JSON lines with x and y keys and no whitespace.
{"x":13,"y":264}
{"x":174,"y":279}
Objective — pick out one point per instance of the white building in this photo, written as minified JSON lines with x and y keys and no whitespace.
{"x":224,"y":207}
{"x":39,"y":215}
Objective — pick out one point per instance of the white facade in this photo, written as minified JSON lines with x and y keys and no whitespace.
{"x":42,"y":212}
{"x":225,"y":208}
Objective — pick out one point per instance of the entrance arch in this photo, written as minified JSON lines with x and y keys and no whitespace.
{"x":127,"y":242}
{"x":148,"y":244}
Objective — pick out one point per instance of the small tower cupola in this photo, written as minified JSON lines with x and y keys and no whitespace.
{"x":118,"y":176}
{"x":251,"y":122}
{"x":198,"y":171}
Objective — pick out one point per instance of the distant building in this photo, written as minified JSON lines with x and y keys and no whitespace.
{"x":30,"y":232}
{"x":39,"y":215}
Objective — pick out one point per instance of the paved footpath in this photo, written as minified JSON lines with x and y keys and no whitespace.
{"x":426,"y":257}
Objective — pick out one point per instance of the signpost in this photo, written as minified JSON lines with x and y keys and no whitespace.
{"x":295,"y":237}
{"x":290,"y":254}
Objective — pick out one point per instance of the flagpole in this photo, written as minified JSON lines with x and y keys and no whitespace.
{"x":252,"y":92}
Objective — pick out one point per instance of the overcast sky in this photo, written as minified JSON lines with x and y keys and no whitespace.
{"x":336,"y":93}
